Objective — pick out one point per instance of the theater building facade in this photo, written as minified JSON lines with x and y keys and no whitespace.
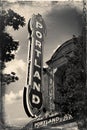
{"x":53,"y":74}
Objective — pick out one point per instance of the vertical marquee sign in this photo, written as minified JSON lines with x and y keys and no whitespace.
{"x":32,"y":96}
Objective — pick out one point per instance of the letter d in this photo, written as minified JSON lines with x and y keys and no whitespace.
{"x":35,"y":99}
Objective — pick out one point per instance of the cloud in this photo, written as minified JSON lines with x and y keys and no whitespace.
{"x":62,"y":22}
{"x":13,"y":97}
{"x":17,"y":66}
{"x":33,"y":7}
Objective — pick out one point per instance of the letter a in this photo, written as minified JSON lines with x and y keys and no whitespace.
{"x":36,"y":74}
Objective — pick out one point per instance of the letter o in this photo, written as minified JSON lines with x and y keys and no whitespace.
{"x":38,"y":34}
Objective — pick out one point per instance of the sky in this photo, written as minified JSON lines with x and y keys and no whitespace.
{"x":62,"y":21}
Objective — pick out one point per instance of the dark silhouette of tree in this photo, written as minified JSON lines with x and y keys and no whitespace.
{"x":72,"y":96}
{"x":7,"y":44}
{"x":8,"y":78}
{"x":10,"y":18}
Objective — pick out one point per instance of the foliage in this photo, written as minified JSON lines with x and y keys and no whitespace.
{"x":8,"y":45}
{"x":10,"y":18}
{"x":8,"y":78}
{"x":72,"y":96}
